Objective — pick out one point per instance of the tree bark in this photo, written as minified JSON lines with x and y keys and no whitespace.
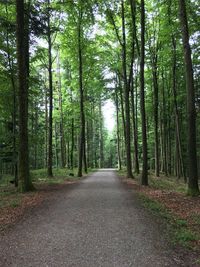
{"x":178,"y":137}
{"x":126,"y":99}
{"x":135,"y":134}
{"x":134,"y":117}
{"x":50,"y":130}
{"x":144,"y":177}
{"x":155,"y":104}
{"x":193,"y":188}
{"x":118,"y":132}
{"x":122,"y":106}
{"x":62,"y":135}
{"x":23,"y":166}
{"x":82,"y":114}
{"x":101,"y":145}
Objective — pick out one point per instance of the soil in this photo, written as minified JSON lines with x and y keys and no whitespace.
{"x":183,"y":207}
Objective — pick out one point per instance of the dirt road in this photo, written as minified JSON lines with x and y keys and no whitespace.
{"x":98,"y":222}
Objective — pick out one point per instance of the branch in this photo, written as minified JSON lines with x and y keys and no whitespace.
{"x":109,"y":12}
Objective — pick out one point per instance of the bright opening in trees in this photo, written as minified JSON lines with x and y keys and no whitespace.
{"x":109,"y":112}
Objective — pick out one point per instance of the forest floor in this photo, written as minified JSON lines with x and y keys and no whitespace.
{"x":167,"y":198}
{"x":13,"y":204}
{"x":98,"y":221}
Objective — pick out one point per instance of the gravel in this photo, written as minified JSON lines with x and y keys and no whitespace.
{"x":98,"y":222}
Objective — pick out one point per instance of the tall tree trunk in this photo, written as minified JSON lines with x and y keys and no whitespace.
{"x":23,"y":170}
{"x":62,"y":135}
{"x":134,"y":118}
{"x":126,"y":98}
{"x":193,"y":188}
{"x":88,"y":143}
{"x":118,"y":131}
{"x":46,"y":129}
{"x":85,"y":154}
{"x":178,"y":137}
{"x":36,"y":133}
{"x":82,"y":114}
{"x":50,"y":135}
{"x":122,"y":106}
{"x":156,"y":102}
{"x":101,"y":137}
{"x":144,"y":178}
{"x":164,"y":124}
{"x":133,"y":17}
{"x":72,"y":145}
{"x":71,"y":165}
{"x":135,"y":134}
{"x":56,"y":145}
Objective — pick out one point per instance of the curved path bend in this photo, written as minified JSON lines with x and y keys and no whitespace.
{"x":97,"y":222}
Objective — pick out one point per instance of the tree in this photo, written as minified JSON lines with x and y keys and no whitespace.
{"x":144,"y":177}
{"x":126,"y":97}
{"x":82,"y":113}
{"x":23,"y":170}
{"x":102,"y":57}
{"x":193,"y":188}
{"x":50,"y":125}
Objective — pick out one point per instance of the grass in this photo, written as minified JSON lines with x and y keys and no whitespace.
{"x":59,"y":176}
{"x":167,"y":183}
{"x":5,"y":180}
{"x":40,"y":176}
{"x":15,"y":203}
{"x":10,"y":197}
{"x":196,"y":219}
{"x":178,"y":229}
{"x":162,"y":182}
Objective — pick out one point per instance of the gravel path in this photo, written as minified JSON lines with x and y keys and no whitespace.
{"x":98,"y":222}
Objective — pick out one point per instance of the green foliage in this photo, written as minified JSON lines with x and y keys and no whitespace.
{"x":168,"y":183}
{"x":60,"y":175}
{"x":193,"y":192}
{"x":101,"y":44}
{"x":15,"y":203}
{"x":196,"y":219}
{"x":184,"y":236}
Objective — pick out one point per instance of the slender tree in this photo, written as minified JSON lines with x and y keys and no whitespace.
{"x":50,"y":111}
{"x":134,"y":109}
{"x":82,"y":114}
{"x":118,"y":130}
{"x":60,"y":96}
{"x":126,"y":98}
{"x":101,"y":144}
{"x":144,"y":177}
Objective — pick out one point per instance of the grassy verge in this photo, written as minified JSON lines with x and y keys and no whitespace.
{"x":59,"y":176}
{"x":178,"y":229}
{"x":11,"y":198}
{"x":162,"y":182}
{"x":167,"y":198}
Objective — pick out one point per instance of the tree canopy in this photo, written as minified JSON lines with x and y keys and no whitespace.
{"x":65,"y":59}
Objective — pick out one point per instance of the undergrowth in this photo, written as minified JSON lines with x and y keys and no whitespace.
{"x":163,"y":182}
{"x":10,"y":197}
{"x":178,"y":228}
